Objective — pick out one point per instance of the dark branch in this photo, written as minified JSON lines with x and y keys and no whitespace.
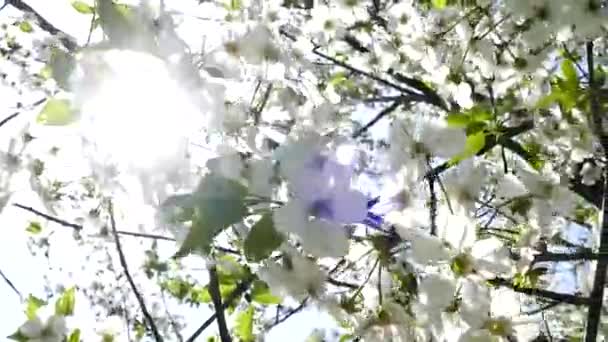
{"x":240,"y":289}
{"x":386,"y":111}
{"x":287,"y":315}
{"x":214,"y":292}
{"x":68,"y":42}
{"x":11,"y":285}
{"x":123,"y":263}
{"x":340,"y":283}
{"x":14,"y":115}
{"x":492,"y":140}
{"x":49,"y":217}
{"x":556,"y":296}
{"x":599,"y":282}
{"x":556,"y":257}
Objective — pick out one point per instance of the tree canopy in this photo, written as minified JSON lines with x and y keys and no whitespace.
{"x":420,"y":170}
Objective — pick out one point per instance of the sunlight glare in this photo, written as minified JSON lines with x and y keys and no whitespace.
{"x":133,"y":113}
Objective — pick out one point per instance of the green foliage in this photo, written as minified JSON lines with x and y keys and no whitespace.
{"x":474,"y":143}
{"x":234,"y":5}
{"x":244,"y":325}
{"x":34,"y":227}
{"x":218,"y":203}
{"x":65,"y":304}
{"x":461,"y":265}
{"x":18,"y":336}
{"x":32,"y":305}
{"x":528,"y":279}
{"x":521,"y":205}
{"x":570,"y":76}
{"x":439,"y":4}
{"x":534,"y":157}
{"x":61,"y":66}
{"x":262,"y":240}
{"x":472,"y":120}
{"x":116,"y":21}
{"x":260,"y":293}
{"x":83,"y":7}
{"x":26,"y":27}
{"x":56,"y":112}
{"x":565,"y":91}
{"x":74,"y":336}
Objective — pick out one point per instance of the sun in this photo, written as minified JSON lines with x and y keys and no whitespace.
{"x":133,"y":113}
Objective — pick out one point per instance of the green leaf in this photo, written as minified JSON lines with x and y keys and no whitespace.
{"x":74,"y":336}
{"x":570,"y":75}
{"x":83,"y":7}
{"x":236,"y":5}
{"x":534,"y":155}
{"x":225,"y":290}
{"x":262,"y":240}
{"x":244,"y":325}
{"x":260,"y":293}
{"x":18,"y":336}
{"x":547,"y":100}
{"x":230,"y":271}
{"x":65,"y":304}
{"x":116,"y":21}
{"x":346,"y":338}
{"x":439,"y":4}
{"x":32,"y":305}
{"x":475,"y":143}
{"x":56,"y":113}
{"x":178,"y":208}
{"x":218,"y":203}
{"x":458,"y":120}
{"x":34,"y":227}
{"x":26,"y":27}
{"x":521,"y":205}
{"x":61,"y":65}
{"x":480,"y":113}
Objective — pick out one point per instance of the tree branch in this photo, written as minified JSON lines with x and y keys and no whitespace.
{"x":14,"y":115}
{"x":599,"y":281}
{"x":289,"y":314}
{"x":556,"y":296}
{"x":214,"y":292}
{"x":386,"y":111}
{"x":238,"y":291}
{"x":11,"y":285}
{"x":556,"y":257}
{"x":492,"y":140}
{"x":49,"y":217}
{"x":123,"y":263}
{"x":68,"y":42}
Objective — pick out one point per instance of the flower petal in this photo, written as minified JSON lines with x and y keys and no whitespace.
{"x":349,"y":206}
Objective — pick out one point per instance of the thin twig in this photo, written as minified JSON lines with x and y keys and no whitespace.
{"x":377,"y":118}
{"x":91,"y":28}
{"x":287,"y":315}
{"x":214,"y":292}
{"x":49,"y":217}
{"x":380,"y":285}
{"x":14,"y":115}
{"x":172,"y":321}
{"x":11,"y":285}
{"x":9,"y":118}
{"x":340,"y":283}
{"x":369,"y":275}
{"x":123,"y":263}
